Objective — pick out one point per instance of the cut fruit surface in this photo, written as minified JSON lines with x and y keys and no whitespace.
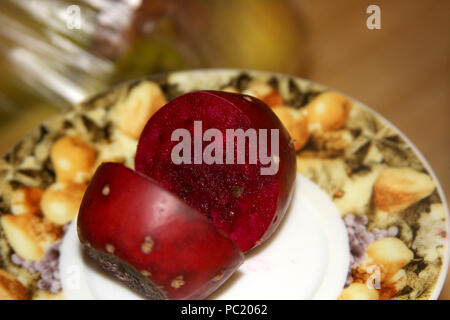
{"x":240,"y":200}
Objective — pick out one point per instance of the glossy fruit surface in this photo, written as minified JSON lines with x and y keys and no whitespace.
{"x":150,"y":239}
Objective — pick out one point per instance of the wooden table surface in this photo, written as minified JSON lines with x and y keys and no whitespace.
{"x":402,"y":71}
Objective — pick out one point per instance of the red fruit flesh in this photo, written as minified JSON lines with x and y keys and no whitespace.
{"x":150,"y":239}
{"x":239,"y":200}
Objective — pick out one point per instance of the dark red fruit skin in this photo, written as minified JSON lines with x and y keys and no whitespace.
{"x":256,"y":215}
{"x":127,"y":218}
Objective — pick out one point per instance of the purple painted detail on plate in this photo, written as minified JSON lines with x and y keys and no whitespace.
{"x":48,"y":267}
{"x":360,"y":238}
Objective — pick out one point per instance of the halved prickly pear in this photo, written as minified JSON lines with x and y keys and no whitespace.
{"x":150,"y":239}
{"x":245,"y":190}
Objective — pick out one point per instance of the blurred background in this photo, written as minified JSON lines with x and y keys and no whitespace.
{"x":57,"y":52}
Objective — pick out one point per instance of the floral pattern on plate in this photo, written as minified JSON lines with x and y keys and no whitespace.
{"x":392,"y":207}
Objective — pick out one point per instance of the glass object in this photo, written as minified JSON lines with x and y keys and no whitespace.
{"x":57,"y":52}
